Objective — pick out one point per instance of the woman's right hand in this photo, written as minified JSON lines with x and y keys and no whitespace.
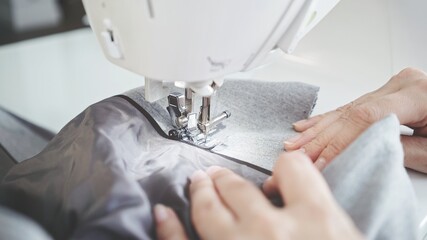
{"x":226,"y":206}
{"x":324,"y":136}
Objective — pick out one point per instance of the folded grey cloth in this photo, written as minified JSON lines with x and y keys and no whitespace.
{"x":369,"y":181}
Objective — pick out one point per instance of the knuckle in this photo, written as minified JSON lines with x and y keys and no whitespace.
{"x":363,"y":115}
{"x":311,"y":133}
{"x":319,"y":143}
{"x":346,"y":107}
{"x":313,"y":150}
{"x":408,"y":71}
{"x":408,"y":75}
{"x":333,"y":149}
{"x":401,"y":77}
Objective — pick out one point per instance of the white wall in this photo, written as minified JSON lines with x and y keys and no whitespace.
{"x":408,"y":33}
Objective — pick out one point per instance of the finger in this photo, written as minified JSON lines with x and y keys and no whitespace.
{"x":320,"y":163}
{"x":168,"y":226}
{"x":415,"y":149}
{"x":311,"y":133}
{"x":269,"y":187}
{"x":339,"y":135}
{"x":305,"y":124}
{"x":314,"y":148}
{"x":313,"y":126}
{"x":209,"y":214}
{"x":299,"y":181}
{"x":338,"y":140}
{"x":421,"y":132}
{"x":243,"y":198}
{"x":332,"y":142}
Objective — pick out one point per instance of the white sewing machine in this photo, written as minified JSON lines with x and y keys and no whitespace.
{"x":195,"y":43}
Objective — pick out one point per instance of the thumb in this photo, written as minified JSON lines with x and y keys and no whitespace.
{"x":298,"y":181}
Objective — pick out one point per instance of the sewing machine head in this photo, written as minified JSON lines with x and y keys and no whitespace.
{"x":194,"y":44}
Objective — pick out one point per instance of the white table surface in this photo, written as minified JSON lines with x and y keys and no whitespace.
{"x":354,"y":50}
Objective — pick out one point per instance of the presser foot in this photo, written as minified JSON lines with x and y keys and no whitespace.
{"x":199,"y":140}
{"x":194,"y":128}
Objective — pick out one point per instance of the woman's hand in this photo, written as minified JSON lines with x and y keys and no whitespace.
{"x":324,"y":136}
{"x":225,"y":206}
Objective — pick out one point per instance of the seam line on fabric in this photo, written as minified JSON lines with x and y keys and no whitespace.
{"x":163,"y":134}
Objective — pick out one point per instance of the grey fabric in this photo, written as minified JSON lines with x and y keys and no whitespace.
{"x":18,"y":227}
{"x":369,"y":181}
{"x":262,"y":114}
{"x":6,"y":161}
{"x":100,"y":176}
{"x":21,"y":138}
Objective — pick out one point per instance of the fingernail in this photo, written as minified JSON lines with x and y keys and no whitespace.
{"x":320,"y":163}
{"x":269,"y":179}
{"x":292,"y":140}
{"x":299,"y":122}
{"x":213,"y":169}
{"x":160,"y":212}
{"x":198,"y":176}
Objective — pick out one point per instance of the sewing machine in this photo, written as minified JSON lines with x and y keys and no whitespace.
{"x":193,"y":44}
